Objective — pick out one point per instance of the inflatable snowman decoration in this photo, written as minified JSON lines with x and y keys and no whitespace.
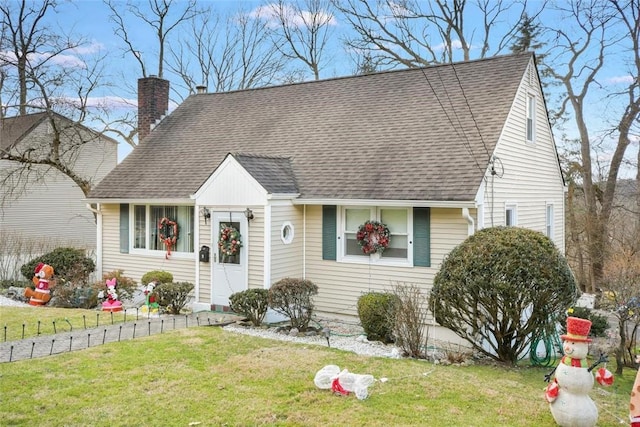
{"x":568,"y":393}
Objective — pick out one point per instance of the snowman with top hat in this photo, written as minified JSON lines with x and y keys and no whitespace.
{"x":568,"y":393}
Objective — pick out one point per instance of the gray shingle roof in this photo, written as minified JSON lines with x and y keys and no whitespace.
{"x":275,"y":174}
{"x":13,"y":129}
{"x":398,"y":135}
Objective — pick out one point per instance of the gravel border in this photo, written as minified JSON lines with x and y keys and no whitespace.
{"x":355,"y":342}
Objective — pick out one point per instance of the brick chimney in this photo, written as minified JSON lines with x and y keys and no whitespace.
{"x":153,"y":103}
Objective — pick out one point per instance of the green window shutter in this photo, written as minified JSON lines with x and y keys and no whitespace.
{"x":422,"y":237}
{"x":124,"y":228}
{"x":329,"y":230}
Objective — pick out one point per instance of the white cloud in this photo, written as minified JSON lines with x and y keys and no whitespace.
{"x":455,"y":44}
{"x":270,"y":13}
{"x":620,"y":79}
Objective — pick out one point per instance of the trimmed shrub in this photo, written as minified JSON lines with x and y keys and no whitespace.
{"x":499,"y":287}
{"x":158,"y":276}
{"x":252,"y":303}
{"x":173,"y":296}
{"x":292,"y":297}
{"x":69,"y":265}
{"x":376,"y":313}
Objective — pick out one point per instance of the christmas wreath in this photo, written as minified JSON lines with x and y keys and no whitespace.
{"x":168,"y":233}
{"x":229,"y":241}
{"x":373,"y":237}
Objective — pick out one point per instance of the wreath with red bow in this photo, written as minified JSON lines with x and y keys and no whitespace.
{"x":373,"y":237}
{"x":168,"y":233}
{"x":229,"y":241}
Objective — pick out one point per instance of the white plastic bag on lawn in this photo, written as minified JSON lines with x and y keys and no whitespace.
{"x":356,"y":383}
{"x":325,"y":376}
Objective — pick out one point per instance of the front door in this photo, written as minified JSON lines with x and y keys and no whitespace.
{"x":230,"y":261}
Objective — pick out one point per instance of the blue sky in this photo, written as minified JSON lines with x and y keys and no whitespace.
{"x":90,"y":18}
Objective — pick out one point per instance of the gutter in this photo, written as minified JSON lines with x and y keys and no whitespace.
{"x":98,"y":213}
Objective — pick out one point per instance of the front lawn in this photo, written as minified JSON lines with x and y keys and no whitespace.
{"x":211,"y":377}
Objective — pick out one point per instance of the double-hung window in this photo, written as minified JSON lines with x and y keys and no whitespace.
{"x":398,"y":221}
{"x":146,"y":232}
{"x":511,"y":215}
{"x":549,"y":221}
{"x":531,"y":118}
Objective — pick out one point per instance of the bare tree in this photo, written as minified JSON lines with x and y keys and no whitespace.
{"x":225,"y":54}
{"x":157,"y":16}
{"x":412,"y":33}
{"x":45,"y":72}
{"x":304,"y":27}
{"x":576,"y":60}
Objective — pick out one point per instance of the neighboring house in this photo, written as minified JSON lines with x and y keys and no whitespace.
{"x":51,"y":209}
{"x":434,"y":153}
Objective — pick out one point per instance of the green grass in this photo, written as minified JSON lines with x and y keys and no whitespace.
{"x":210,"y":377}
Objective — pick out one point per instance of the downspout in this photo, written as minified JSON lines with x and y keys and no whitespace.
{"x":98,"y":213}
{"x":471,"y":225}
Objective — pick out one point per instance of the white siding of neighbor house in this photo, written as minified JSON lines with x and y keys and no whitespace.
{"x":531,"y":176}
{"x":341,"y":284}
{"x":53,"y":208}
{"x":286,"y":260}
{"x":134,"y":265}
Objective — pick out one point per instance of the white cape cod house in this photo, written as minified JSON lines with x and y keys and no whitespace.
{"x":434,"y":153}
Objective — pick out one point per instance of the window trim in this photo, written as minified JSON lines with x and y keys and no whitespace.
{"x":374,"y":214}
{"x":530,"y":117}
{"x":157,"y":252}
{"x":514,"y":208}
{"x":550,"y":220}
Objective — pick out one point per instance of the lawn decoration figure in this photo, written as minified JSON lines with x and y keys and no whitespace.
{"x":568,"y":393}
{"x":111,"y":303}
{"x":634,"y":401}
{"x":43,"y":280}
{"x":150,"y":305}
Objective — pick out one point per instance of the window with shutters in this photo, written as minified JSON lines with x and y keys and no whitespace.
{"x":145,"y":234}
{"x":398,"y":220}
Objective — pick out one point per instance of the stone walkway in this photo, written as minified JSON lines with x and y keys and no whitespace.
{"x":47,"y":345}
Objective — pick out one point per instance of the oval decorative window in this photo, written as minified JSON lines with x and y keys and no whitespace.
{"x":286,"y":233}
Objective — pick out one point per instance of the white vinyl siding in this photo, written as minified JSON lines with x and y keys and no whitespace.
{"x":53,"y":207}
{"x":286,"y":259}
{"x":341,"y":284}
{"x":136,"y":265}
{"x":530,"y":174}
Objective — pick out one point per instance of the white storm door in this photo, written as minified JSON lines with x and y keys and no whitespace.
{"x":229,"y":272}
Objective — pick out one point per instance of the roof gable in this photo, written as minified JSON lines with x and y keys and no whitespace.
{"x":13,"y":129}
{"x":417,"y":134}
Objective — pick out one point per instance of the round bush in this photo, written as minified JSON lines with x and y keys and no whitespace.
{"x":158,"y":276}
{"x":252,"y":303}
{"x":376,"y":313}
{"x":69,"y":265}
{"x":499,"y":287}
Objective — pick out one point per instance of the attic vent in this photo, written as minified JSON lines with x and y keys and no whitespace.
{"x":532,"y":77}
{"x":201,"y":89}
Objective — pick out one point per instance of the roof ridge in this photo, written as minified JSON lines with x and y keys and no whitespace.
{"x":377,"y":73}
